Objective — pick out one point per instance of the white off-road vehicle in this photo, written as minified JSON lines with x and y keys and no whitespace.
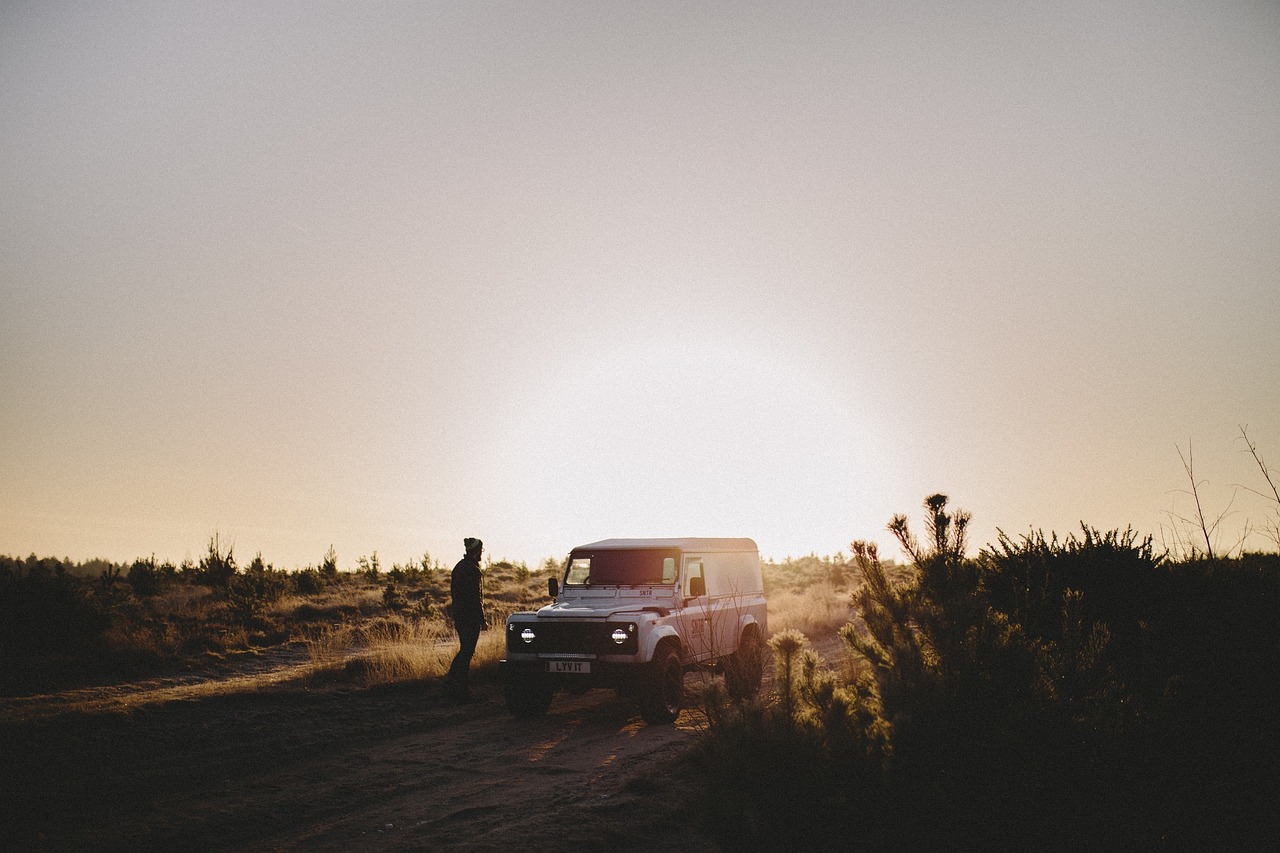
{"x":634,"y":615}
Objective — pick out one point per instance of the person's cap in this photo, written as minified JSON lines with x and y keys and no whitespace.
{"x":472,"y":544}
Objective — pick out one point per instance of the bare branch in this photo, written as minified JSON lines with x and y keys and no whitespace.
{"x":1253,"y":451}
{"x":1188,"y":462}
{"x":1273,"y":531}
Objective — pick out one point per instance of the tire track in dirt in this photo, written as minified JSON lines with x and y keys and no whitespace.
{"x":564,"y":781}
{"x":377,"y":770}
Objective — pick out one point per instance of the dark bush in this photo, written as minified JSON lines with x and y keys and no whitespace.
{"x":145,"y":577}
{"x":308,"y":581}
{"x":45,"y":611}
{"x":392,"y":599}
{"x":252,"y":591}
{"x":216,"y":568}
{"x":1122,"y":583}
{"x":806,"y":774}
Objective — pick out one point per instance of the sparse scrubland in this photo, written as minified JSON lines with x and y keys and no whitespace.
{"x":1079,"y":692}
{"x":66,"y":625}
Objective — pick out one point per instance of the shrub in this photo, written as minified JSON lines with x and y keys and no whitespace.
{"x":806,"y":772}
{"x":43,"y":610}
{"x":1119,"y":579}
{"x":145,"y":577}
{"x":251,"y":592}
{"x":425,"y":606}
{"x":392,"y":599}
{"x":308,"y":581}
{"x":960,"y":686}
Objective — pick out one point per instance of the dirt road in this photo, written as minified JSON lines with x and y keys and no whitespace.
{"x":373,"y":770}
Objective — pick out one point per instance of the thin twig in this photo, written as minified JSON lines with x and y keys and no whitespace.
{"x":1274,"y":532}
{"x":1188,"y":464}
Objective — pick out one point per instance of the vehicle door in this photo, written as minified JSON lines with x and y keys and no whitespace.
{"x":695,"y":616}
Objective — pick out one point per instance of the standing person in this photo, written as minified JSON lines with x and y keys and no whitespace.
{"x":468,"y":619}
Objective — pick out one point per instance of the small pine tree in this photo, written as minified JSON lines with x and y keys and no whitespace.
{"x":392,"y":599}
{"x":216,"y":568}
{"x":329,"y":565}
{"x":429,"y":566}
{"x":370,"y":567}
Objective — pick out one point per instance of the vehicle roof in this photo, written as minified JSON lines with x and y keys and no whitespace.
{"x":686,"y":543}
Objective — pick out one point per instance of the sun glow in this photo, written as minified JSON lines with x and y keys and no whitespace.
{"x":705,"y":436}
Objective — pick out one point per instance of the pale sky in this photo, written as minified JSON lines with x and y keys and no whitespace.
{"x":385,"y":275}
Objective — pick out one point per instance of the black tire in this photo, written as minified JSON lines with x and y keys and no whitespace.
{"x":745,"y":668}
{"x":662,"y":696}
{"x":527,"y":694}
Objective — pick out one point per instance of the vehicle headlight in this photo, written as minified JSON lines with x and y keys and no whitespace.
{"x":527,"y":635}
{"x":619,"y":636}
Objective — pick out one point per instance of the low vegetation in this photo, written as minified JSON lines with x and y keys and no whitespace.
{"x":1081,"y":693}
{"x":68,"y":625}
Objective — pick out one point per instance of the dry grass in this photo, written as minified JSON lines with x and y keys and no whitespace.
{"x":334,"y":605}
{"x":817,"y":610}
{"x":392,"y":649}
{"x":491,"y":649}
{"x":397,"y":652}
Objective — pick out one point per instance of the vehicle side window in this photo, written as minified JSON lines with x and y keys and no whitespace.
{"x":669,"y":570}
{"x":579,"y":571}
{"x":692,"y":569}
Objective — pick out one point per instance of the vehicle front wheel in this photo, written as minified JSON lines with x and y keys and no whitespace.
{"x":527,"y":694}
{"x":663,"y":696}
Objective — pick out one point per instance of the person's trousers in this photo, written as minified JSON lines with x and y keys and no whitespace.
{"x":460,"y":670}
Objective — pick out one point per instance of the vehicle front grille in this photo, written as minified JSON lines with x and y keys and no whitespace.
{"x":572,"y":637}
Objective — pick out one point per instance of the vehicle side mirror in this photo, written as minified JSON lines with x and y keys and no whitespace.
{"x":553,"y":587}
{"x":697,"y":586}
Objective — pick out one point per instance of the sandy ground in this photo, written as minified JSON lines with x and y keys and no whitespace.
{"x":177,"y":766}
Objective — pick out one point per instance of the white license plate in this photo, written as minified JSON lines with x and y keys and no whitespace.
{"x":576,"y":666}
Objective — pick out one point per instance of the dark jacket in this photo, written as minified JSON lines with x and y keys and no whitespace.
{"x":464,"y":586}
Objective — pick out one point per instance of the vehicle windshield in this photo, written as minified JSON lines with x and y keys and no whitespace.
{"x":615,"y":567}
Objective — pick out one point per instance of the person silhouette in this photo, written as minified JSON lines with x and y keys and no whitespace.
{"x":468,"y":619}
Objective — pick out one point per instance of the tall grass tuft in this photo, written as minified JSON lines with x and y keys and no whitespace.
{"x":405,"y":651}
{"x":381,"y":651}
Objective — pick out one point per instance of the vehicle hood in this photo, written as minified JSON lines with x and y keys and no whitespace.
{"x":601,"y":609}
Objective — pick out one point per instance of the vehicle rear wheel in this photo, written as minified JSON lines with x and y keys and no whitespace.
{"x":527,"y":694}
{"x":745,"y":667}
{"x":663,"y":695}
